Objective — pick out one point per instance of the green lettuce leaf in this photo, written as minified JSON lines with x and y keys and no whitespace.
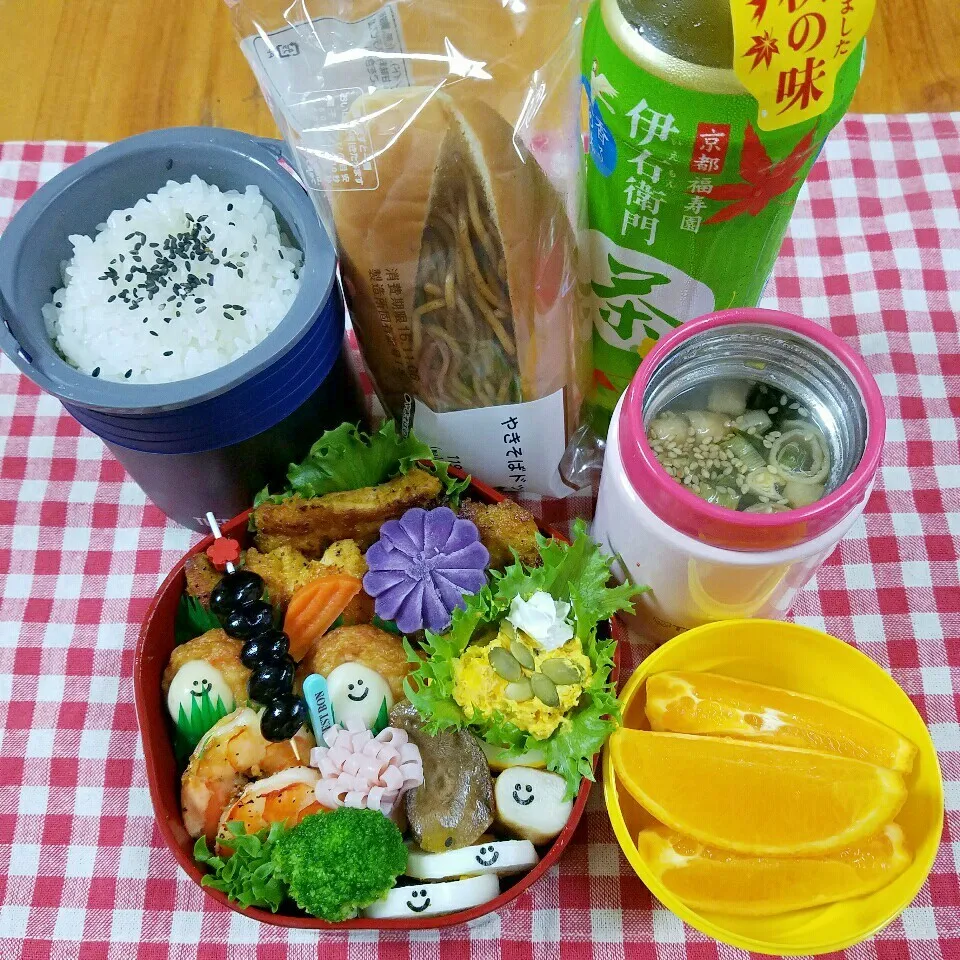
{"x":577,"y":573}
{"x":453,"y":487}
{"x":346,"y":458}
{"x":249,"y":876}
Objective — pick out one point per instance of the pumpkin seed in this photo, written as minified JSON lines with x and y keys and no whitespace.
{"x":505,"y":664}
{"x":508,"y":630}
{"x":523,"y":655}
{"x":519,"y":691}
{"x":545,"y":690}
{"x":562,"y":672}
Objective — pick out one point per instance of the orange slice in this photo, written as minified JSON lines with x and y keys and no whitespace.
{"x":709,"y":704}
{"x":756,"y":798}
{"x":710,"y":879}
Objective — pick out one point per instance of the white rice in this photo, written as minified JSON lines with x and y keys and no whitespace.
{"x":181,"y":283}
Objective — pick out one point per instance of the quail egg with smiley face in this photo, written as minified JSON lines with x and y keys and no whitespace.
{"x":195,"y":680}
{"x":530,"y":804}
{"x":357,"y":693}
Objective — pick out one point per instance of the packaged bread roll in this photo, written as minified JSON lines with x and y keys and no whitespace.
{"x":450,"y":184}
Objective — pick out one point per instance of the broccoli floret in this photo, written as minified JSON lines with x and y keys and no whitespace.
{"x":336,"y":863}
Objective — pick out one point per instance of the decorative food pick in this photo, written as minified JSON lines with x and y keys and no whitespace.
{"x":224,"y":552}
{"x":237,"y":602}
{"x":317,"y":695}
{"x":422,"y":566}
{"x":358,"y":769}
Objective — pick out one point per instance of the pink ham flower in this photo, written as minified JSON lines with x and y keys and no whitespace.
{"x":358,"y":769}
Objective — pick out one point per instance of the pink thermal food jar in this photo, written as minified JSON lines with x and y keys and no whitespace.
{"x":704,"y":561}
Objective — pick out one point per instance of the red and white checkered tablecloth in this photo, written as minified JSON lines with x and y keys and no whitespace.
{"x":873,"y":251}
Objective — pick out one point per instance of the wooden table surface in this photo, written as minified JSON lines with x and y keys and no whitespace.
{"x":105,"y":69}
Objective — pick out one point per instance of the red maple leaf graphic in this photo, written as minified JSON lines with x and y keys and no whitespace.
{"x":763,"y":180}
{"x":763,"y":49}
{"x":760,"y":8}
{"x":600,"y":379}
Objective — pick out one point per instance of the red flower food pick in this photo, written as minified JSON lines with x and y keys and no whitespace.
{"x":763,"y":180}
{"x":223,"y":551}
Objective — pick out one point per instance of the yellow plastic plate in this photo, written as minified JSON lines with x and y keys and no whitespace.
{"x":808,"y":661}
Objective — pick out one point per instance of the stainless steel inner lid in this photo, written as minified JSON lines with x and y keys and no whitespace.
{"x":783,"y":360}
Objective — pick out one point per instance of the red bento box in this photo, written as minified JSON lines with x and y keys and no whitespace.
{"x":153,"y":650}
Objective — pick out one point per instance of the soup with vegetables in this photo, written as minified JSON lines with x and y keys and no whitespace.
{"x":743,"y":445}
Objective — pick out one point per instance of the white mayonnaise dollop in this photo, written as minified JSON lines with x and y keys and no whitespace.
{"x":543,"y":619}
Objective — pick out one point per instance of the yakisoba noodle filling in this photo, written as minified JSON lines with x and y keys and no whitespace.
{"x":462,"y":330}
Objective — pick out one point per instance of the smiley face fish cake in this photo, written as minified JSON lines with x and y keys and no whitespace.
{"x":435,"y":899}
{"x":530,"y":804}
{"x":502,"y":857}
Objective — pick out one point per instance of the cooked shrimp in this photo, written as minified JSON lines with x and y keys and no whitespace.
{"x":231,"y":753}
{"x":286,"y":797}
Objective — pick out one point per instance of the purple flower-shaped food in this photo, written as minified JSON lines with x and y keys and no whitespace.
{"x":421,"y":567}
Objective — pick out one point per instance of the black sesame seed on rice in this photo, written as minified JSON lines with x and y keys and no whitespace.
{"x":96,"y":372}
{"x":127,"y":375}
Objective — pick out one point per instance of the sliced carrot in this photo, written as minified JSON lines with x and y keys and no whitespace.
{"x":314,"y":607}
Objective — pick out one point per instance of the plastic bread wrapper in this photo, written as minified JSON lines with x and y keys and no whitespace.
{"x":441,"y":144}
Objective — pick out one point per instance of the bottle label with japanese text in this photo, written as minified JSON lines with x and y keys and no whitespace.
{"x":688,"y":199}
{"x":788,"y":54}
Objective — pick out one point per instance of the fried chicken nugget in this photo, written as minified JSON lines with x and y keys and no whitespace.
{"x":286,"y":569}
{"x":364,"y":644}
{"x":504,"y":527}
{"x":222,"y":653}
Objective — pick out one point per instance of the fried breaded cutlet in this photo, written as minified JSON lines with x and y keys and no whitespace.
{"x":286,"y":569}
{"x":311,"y":525}
{"x":202,"y":577}
{"x":503,"y":527}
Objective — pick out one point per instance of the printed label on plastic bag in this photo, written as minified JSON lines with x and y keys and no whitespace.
{"x":347,"y":59}
{"x":515,"y":447}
